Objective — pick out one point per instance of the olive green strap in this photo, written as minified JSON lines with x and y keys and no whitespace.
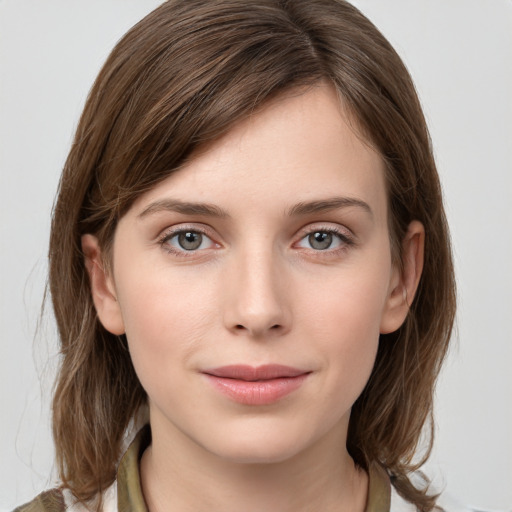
{"x":129,"y":491}
{"x":379,"y":490}
{"x":49,"y":501}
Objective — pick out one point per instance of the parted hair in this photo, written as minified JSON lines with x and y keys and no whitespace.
{"x":177,"y":81}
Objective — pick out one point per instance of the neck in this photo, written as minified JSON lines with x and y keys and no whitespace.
{"x":182,"y":476}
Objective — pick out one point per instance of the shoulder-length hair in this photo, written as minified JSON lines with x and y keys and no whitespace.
{"x":178,"y":80}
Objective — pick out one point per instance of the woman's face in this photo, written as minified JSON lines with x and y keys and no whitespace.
{"x":253,"y":284}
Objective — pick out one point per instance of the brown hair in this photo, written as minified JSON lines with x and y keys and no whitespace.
{"x":177,"y":80}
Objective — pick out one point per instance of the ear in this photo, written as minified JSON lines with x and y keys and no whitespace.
{"x":102,"y":287}
{"x":404,"y":282}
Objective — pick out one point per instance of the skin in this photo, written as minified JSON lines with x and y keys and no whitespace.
{"x":258,"y":290}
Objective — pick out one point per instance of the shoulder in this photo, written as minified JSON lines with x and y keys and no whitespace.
{"x":49,"y":501}
{"x":128,"y":480}
{"x":57,"y":500}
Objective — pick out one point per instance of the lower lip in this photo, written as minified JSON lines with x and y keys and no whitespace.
{"x":261,"y":392}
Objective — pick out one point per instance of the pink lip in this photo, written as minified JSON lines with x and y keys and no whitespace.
{"x":260,"y":385}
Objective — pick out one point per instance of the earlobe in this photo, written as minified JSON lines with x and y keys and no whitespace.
{"x":102,"y":287}
{"x":405,"y":280}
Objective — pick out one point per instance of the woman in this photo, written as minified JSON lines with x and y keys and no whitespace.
{"x":249,"y":240}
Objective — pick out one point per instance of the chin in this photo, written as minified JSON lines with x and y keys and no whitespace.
{"x":261,"y":452}
{"x":259,"y":444}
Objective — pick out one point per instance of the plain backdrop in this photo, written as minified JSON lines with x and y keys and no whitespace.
{"x":460,"y":55}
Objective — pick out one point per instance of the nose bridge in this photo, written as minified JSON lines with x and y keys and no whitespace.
{"x":257,"y":302}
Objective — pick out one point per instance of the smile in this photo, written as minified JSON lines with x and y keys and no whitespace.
{"x":262,"y":385}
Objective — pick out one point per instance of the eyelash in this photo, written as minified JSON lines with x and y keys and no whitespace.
{"x":169,"y":235}
{"x":345,"y":240}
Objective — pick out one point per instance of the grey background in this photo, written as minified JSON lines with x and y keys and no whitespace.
{"x":460,"y":55}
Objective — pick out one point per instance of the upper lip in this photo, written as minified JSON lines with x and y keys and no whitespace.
{"x":254,"y":373}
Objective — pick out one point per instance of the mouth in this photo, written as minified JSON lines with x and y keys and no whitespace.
{"x":262,"y":385}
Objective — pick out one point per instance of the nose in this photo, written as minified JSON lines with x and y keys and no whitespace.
{"x":258,"y":303}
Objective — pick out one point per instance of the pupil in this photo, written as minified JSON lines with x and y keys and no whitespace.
{"x":320,"y":240}
{"x":189,"y":240}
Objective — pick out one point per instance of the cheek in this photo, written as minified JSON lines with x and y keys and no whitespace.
{"x":344,"y":320}
{"x":348,"y":328}
{"x":166,"y":317}
{"x":349,"y":300}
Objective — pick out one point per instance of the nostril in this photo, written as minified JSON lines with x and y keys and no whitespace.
{"x":240,"y":327}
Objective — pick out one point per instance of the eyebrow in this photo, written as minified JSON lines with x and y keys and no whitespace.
{"x":327,"y":205}
{"x":211,"y":210}
{"x":184,"y":207}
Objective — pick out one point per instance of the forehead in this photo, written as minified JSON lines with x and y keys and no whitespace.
{"x":302,"y":146}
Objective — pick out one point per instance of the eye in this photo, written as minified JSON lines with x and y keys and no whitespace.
{"x":187,"y":240}
{"x":320,"y":240}
{"x":324,"y":239}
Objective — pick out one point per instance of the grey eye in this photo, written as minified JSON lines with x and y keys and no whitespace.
{"x":185,"y":240}
{"x":320,"y":240}
{"x":189,"y":240}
